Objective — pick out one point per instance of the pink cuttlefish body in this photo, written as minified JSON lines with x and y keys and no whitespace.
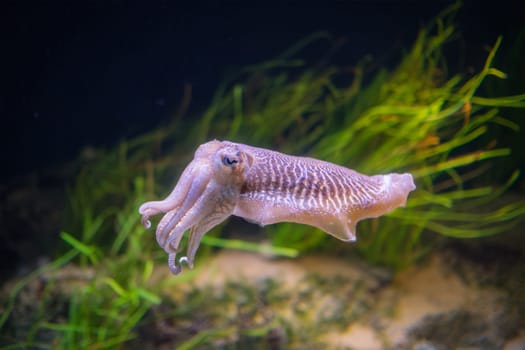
{"x":267,"y":187}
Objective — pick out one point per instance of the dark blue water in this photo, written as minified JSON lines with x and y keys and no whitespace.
{"x":93,"y":72}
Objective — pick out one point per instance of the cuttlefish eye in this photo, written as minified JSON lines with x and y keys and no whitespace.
{"x":230,"y":161}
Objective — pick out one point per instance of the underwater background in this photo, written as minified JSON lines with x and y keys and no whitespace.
{"x":104,"y":102}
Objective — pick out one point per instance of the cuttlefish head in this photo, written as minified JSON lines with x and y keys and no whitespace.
{"x":204,"y":196}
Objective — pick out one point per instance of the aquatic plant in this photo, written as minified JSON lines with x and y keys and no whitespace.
{"x":102,"y":301}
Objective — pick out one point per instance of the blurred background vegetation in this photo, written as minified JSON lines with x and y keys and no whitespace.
{"x":457,"y":133}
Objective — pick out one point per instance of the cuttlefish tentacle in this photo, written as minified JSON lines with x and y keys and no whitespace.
{"x":222,"y":211}
{"x":202,"y":217}
{"x":205,"y":196}
{"x":195,"y":192}
{"x":267,"y":187}
{"x":172,"y":202}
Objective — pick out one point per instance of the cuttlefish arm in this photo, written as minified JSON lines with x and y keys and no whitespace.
{"x":267,"y":187}
{"x":205,"y":196}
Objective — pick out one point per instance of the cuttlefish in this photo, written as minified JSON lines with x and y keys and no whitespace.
{"x":267,"y":187}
